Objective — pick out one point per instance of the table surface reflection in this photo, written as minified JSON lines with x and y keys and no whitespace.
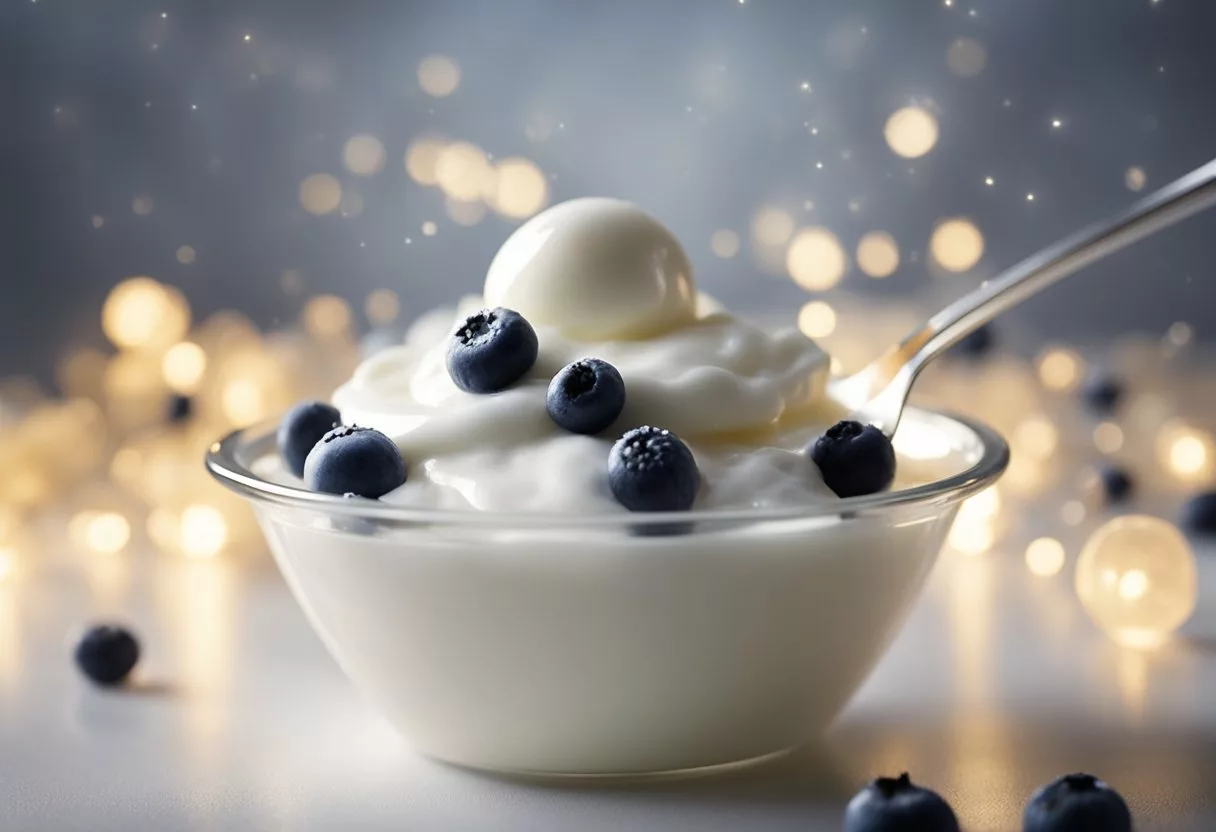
{"x":241,"y":721}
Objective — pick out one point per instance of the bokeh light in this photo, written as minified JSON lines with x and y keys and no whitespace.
{"x":438,"y":75}
{"x":1035,"y":436}
{"x":141,"y":313}
{"x":1135,"y":179}
{"x":1137,"y":579}
{"x":911,"y":132}
{"x":203,"y":531}
{"x":327,"y":317}
{"x":974,"y":529}
{"x":815,"y":259}
{"x":1060,"y":369}
{"x":382,"y":307}
{"x":183,"y":366}
{"x":363,"y":155}
{"x":878,"y":254}
{"x":464,"y":213}
{"x":103,"y":532}
{"x":1045,"y":556}
{"x":724,"y":243}
{"x":142,"y":205}
{"x":1108,"y":437}
{"x":463,"y":172}
{"x":772,"y":227}
{"x":966,"y":57}
{"x":186,"y":255}
{"x":817,"y":319}
{"x":957,"y":244}
{"x":1186,"y":452}
{"x":320,"y":194}
{"x":519,"y":189}
{"x":422,"y":159}
{"x":429,"y":229}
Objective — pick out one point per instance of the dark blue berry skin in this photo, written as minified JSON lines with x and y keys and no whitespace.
{"x":302,"y":428}
{"x":1116,"y":483}
{"x":179,"y":409}
{"x":586,"y":396}
{"x":976,"y":344}
{"x":898,"y":805}
{"x":1076,"y":803}
{"x":650,"y":469}
{"x":107,"y":654}
{"x":1199,"y":514}
{"x":1102,"y":393}
{"x":854,"y":459}
{"x":491,"y":350}
{"x":354,"y":461}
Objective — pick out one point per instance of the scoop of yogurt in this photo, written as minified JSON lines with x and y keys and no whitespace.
{"x":598,"y":278}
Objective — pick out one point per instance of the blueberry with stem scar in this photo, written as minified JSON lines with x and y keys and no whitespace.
{"x":1076,"y":803}
{"x":491,"y":350}
{"x":586,"y":396}
{"x":354,"y":461}
{"x":854,"y":459}
{"x":650,"y":469}
{"x":896,"y":804}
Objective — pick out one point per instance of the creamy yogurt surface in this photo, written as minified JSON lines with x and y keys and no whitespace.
{"x":598,"y":278}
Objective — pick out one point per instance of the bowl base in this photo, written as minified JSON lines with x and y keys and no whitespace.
{"x":623,"y":777}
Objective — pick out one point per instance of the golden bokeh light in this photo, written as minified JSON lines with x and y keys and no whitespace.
{"x":422,"y":159}
{"x":204,"y":531}
{"x":1135,"y":178}
{"x":8,"y":562}
{"x":1137,"y":579}
{"x":1073,"y":512}
{"x":81,"y":373}
{"x":1108,"y":437}
{"x":724,"y":243}
{"x":966,"y":57}
{"x":183,"y":367}
{"x":104,"y":532}
{"x":878,"y":254}
{"x":438,"y":75}
{"x":463,"y":172}
{"x":971,"y":537}
{"x":519,"y":188}
{"x":815,"y":259}
{"x":363,"y":155}
{"x":957,"y":244}
{"x":1186,"y":452}
{"x":1045,"y":556}
{"x":141,"y":313}
{"x":142,"y":205}
{"x":911,"y":132}
{"x":320,"y":193}
{"x":772,"y":227}
{"x":243,"y":402}
{"x":382,"y":307}
{"x":186,"y":255}
{"x":327,"y":317}
{"x":429,"y":229}
{"x":1036,"y":437}
{"x":817,"y":319}
{"x":464,"y":213}
{"x":1060,"y":369}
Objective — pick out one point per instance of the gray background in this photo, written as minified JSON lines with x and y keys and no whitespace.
{"x":691,"y":107}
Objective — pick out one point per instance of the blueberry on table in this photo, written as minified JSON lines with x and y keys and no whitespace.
{"x":975,"y":344}
{"x":107,"y":654}
{"x":1117,"y":484}
{"x":302,"y":428}
{"x":854,"y":459}
{"x":355,"y":461}
{"x":491,"y":350}
{"x":650,"y":469}
{"x":586,"y":396}
{"x":1076,"y":803}
{"x":896,"y":804}
{"x":1199,"y":514}
{"x":1102,"y":392}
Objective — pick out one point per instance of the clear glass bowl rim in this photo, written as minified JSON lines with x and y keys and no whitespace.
{"x":224,"y":462}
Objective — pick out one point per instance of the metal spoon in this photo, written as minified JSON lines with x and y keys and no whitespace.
{"x":876,"y":393}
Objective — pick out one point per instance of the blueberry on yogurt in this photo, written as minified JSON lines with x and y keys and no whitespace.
{"x":650,"y":469}
{"x":355,"y":462}
{"x":586,"y":396}
{"x":491,"y":350}
{"x":854,"y":459}
{"x":302,"y":428}
{"x":896,"y":804}
{"x":1076,"y":803}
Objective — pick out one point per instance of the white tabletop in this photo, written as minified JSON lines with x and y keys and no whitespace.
{"x":242,"y":722}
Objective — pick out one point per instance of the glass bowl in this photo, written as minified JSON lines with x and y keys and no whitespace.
{"x":611,"y":645}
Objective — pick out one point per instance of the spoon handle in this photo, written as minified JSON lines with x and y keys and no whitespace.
{"x":1178,"y":200}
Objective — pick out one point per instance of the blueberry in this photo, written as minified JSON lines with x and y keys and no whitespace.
{"x":1116,"y":483}
{"x":355,"y":461}
{"x":1076,"y":803}
{"x":107,"y":654}
{"x":650,"y":469}
{"x":179,"y":409}
{"x":854,"y":459}
{"x":1102,"y":392}
{"x":491,"y":350}
{"x":898,"y":805}
{"x":586,"y":396}
{"x":976,"y":344}
{"x":1199,"y":514}
{"x":302,"y":428}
